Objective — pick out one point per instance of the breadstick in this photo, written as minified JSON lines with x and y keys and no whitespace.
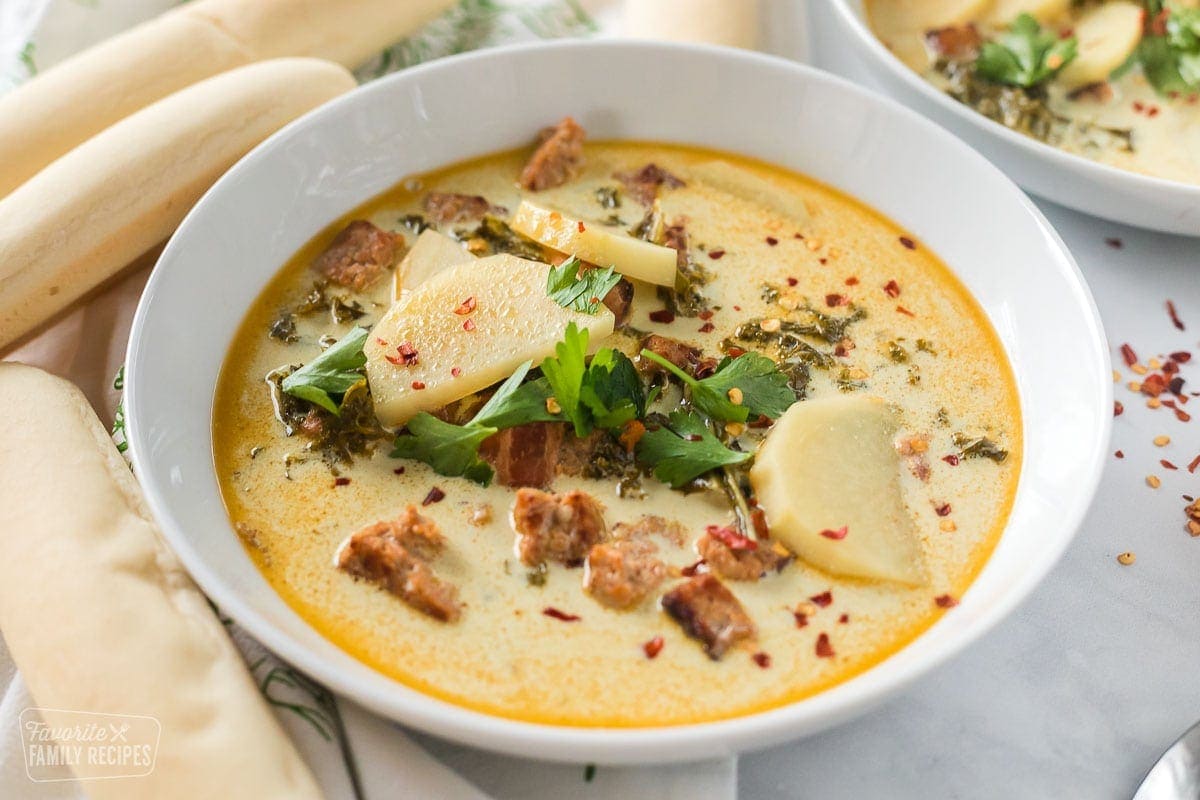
{"x":72,"y":101}
{"x":115,"y":196}
{"x":100,"y":617}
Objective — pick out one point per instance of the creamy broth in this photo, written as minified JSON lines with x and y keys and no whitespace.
{"x":1121,"y":120}
{"x":505,"y":656}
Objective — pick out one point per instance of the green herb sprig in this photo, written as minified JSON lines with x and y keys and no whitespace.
{"x":326,"y":379}
{"x":685,"y":449}
{"x":1025,"y":55}
{"x":572,"y":286}
{"x":764,"y":388}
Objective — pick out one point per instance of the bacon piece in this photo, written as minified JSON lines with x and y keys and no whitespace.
{"x":396,"y":555}
{"x":957,"y":42}
{"x":525,"y":455}
{"x":619,"y":300}
{"x":557,"y":159}
{"x":556,"y":527}
{"x":358,"y":256}
{"x":687,"y":357}
{"x":708,"y":612}
{"x":643,"y":184}
{"x":443,"y":208}
{"x":740,"y":564}
{"x":622,"y":574}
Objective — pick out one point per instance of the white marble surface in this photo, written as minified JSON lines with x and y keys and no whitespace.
{"x":1077,"y":693}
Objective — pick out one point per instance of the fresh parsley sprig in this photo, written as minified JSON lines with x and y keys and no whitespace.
{"x":1025,"y":55}
{"x":685,"y":449}
{"x":1171,"y":60}
{"x":763,"y":387}
{"x":326,"y":379}
{"x":580,"y":289}
{"x":606,"y":393}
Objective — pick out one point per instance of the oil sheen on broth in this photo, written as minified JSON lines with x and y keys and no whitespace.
{"x":505,"y":656}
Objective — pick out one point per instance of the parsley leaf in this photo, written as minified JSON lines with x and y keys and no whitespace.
{"x":612,"y":390}
{"x":450,"y":449}
{"x":1025,"y":55}
{"x":580,"y":289}
{"x":565,"y":374}
{"x":325,"y":380}
{"x":516,"y":403}
{"x":1171,"y":63}
{"x":684,"y":450}
{"x":763,"y":386}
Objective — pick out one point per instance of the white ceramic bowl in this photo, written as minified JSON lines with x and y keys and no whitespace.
{"x":319,"y":167}
{"x":1065,"y":178}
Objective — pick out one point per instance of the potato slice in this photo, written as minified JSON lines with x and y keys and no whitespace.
{"x":595,"y":243}
{"x":506,"y":319}
{"x":745,"y":185}
{"x":432,"y":253}
{"x":1005,"y":11}
{"x":1107,"y":36}
{"x":829,"y":464}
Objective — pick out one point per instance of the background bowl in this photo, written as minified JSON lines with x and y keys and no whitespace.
{"x":1065,"y":178}
{"x":335,"y":158}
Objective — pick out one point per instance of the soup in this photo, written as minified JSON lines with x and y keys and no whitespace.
{"x":1116,"y":80}
{"x":763,"y":453}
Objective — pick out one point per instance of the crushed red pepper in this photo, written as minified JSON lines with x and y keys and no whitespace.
{"x":435,"y":495}
{"x":905,"y":311}
{"x":707,"y":327}
{"x":907,"y":242}
{"x":1174,"y":315}
{"x":1118,"y":408}
{"x":836,"y":534}
{"x":801,"y":619}
{"x":469,"y":325}
{"x":1194,"y":464}
{"x":653,"y":647}
{"x":945,"y":601}
{"x":822,"y":600}
{"x":406,"y":355}
{"x":951,"y":459}
{"x":730,"y":538}
{"x":852,"y":281}
{"x":824,"y":648}
{"x":663,"y":315}
{"x":1167,"y":464}
{"x":943,"y":510}
{"x":343,"y":481}
{"x":1128,"y":354}
{"x":551,"y":611}
{"x":692,"y":570}
{"x":715,"y":254}
{"x":771,"y":240}
{"x":892,"y":289}
{"x":762,"y":659}
{"x":466,"y":306}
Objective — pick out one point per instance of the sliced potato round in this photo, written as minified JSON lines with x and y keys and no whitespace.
{"x":430,"y":254}
{"x":1107,"y":35}
{"x":828,"y":477}
{"x":593,"y":242}
{"x":1004,"y":12}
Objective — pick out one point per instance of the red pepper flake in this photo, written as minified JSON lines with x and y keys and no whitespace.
{"x":852,"y":281}
{"x":943,"y":510}
{"x":730,"y":538}
{"x":455,"y":372}
{"x":1174,"y":315}
{"x":1128,"y":354}
{"x":1167,"y":464}
{"x":1152,"y":111}
{"x":343,"y":481}
{"x":1114,"y":243}
{"x":406,"y":355}
{"x":945,"y":601}
{"x":907,"y":242}
{"x":835,"y":300}
{"x":733,"y":351}
{"x":707,"y":327}
{"x":737,"y":308}
{"x":466,"y":306}
{"x":822,"y":600}
{"x":398,"y":471}
{"x":1154,"y":385}
{"x":1195,"y":463}
{"x":763,"y":421}
{"x":1121,"y":454}
{"x":771,"y":240}
{"x":951,"y":459}
{"x":844,"y":619}
{"x":551,"y":611}
{"x":801,"y":619}
{"x":706,"y":314}
{"x":824,"y":648}
{"x":469,"y":325}
{"x":716,"y":254}
{"x":1182,"y":415}
{"x":762,"y":659}
{"x":758,"y":518}
{"x":653,"y":647}
{"x":836,"y":535}
{"x":381,"y":342}
{"x":436,"y":495}
{"x":892,"y":289}
{"x":1138,"y":106}
{"x":418,"y":385}
{"x":1181,"y":357}
{"x":1118,"y":408}
{"x":1170,"y":368}
{"x":581,"y":226}
{"x":797,"y":235}
{"x":1175,"y":386}
{"x":822,"y":260}
{"x":692,"y":570}
{"x":663,"y":315}
{"x":905,"y":311}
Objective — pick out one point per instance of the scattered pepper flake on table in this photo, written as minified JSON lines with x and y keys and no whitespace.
{"x":1127,"y":558}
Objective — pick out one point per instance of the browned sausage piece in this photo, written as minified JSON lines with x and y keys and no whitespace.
{"x":956,"y":42}
{"x":652,"y":525}
{"x":618,"y":300}
{"x":556,"y":527}
{"x":740,"y":564}
{"x":708,"y":612}
{"x":525,"y":455}
{"x":358,"y":256}
{"x":643,"y":184}
{"x":557,"y":159}
{"x":623,"y":573}
{"x":396,"y":555}
{"x":443,"y":208}
{"x":687,"y":357}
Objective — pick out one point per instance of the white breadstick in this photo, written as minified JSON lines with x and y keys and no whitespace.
{"x":114,"y":197}
{"x":728,"y":22}
{"x":100,"y":617}
{"x":74,"y":100}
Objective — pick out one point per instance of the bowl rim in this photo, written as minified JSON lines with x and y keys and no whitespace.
{"x":1059,"y":159}
{"x":598,"y":744}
